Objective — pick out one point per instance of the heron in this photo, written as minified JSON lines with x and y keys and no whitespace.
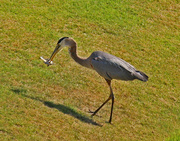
{"x":106,"y":65}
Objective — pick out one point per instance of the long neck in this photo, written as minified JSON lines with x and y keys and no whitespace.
{"x":84,"y":62}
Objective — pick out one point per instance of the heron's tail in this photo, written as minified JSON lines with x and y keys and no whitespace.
{"x":141,"y":76}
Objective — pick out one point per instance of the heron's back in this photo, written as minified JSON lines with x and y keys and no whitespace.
{"x":112,"y":67}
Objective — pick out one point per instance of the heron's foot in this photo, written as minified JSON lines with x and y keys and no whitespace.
{"x":93,"y":113}
{"x":109,"y":122}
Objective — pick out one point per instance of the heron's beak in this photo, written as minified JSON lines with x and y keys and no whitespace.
{"x":56,"y":50}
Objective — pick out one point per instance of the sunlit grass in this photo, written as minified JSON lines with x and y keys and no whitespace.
{"x":52,"y":103}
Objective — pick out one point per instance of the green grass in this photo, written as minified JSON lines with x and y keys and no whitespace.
{"x":52,"y":103}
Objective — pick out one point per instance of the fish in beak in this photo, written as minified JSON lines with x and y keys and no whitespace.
{"x":50,"y":61}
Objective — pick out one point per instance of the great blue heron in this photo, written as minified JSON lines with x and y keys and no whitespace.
{"x":106,"y":65}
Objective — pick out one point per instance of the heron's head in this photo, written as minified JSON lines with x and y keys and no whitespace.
{"x":63,"y":42}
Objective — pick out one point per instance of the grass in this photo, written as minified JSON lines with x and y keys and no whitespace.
{"x":52,"y":103}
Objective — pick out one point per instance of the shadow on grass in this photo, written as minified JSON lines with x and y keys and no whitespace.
{"x":62,"y":108}
{"x":67,"y":110}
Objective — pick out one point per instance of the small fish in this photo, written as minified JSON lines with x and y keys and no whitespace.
{"x":46,"y":61}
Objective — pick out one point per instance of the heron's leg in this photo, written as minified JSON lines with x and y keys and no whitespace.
{"x":111,"y":96}
{"x":100,"y":107}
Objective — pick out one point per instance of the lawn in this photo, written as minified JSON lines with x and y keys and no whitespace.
{"x":52,"y":103}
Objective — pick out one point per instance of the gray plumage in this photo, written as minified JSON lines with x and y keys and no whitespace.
{"x":106,"y":65}
{"x":111,"y":67}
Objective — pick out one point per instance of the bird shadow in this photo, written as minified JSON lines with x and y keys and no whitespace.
{"x":60,"y":107}
{"x":69,"y":111}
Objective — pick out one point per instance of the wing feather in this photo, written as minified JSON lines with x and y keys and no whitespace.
{"x":115,"y":67}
